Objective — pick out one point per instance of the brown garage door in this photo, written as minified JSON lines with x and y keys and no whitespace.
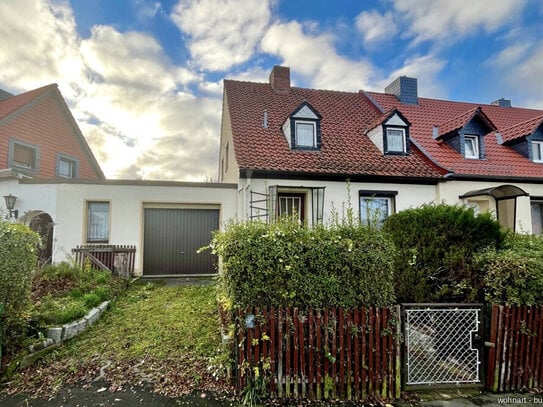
{"x":172,"y":238}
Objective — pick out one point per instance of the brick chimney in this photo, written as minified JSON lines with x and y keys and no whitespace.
{"x":405,"y":89}
{"x":280,"y":79}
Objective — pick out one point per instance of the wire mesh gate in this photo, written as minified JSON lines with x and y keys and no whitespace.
{"x":443,"y":344}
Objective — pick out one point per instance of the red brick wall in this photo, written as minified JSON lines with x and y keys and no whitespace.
{"x":47,"y":126}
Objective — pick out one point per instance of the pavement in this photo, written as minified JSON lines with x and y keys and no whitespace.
{"x":475,"y":398}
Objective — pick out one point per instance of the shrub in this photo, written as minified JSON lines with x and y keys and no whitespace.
{"x":514,"y":275}
{"x":288,"y":264}
{"x":436,"y":245}
{"x":18,"y":259}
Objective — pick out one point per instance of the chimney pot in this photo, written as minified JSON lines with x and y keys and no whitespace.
{"x":280,"y":79}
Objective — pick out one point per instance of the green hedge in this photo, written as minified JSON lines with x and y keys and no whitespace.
{"x":288,"y":264}
{"x":514,"y":275}
{"x":18,"y":257}
{"x":436,"y":245}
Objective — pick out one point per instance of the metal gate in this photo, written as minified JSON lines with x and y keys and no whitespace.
{"x":443,"y":344}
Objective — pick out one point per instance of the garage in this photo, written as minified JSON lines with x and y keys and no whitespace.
{"x":172,"y":237}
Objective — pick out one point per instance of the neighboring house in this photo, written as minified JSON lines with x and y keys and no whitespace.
{"x":315,"y":152}
{"x":39,"y":137}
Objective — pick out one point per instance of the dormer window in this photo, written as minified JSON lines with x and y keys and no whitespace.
{"x":302,"y":128}
{"x":537,"y":151}
{"x":471,"y":146}
{"x":306,"y":134}
{"x":395,"y":140}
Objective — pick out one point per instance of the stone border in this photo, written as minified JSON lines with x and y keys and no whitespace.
{"x":72,"y":329}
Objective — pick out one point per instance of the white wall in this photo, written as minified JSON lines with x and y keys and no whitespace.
{"x":66,"y":203}
{"x":336,"y":194}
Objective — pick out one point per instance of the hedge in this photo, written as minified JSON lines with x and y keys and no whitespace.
{"x":288,"y":264}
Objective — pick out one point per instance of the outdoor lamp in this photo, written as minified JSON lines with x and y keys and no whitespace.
{"x":10,"y":205}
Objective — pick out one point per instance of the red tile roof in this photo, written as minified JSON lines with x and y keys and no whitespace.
{"x":521,"y":130}
{"x":460,"y":121}
{"x":500,"y":160}
{"x":14,"y":103}
{"x":346,"y":150}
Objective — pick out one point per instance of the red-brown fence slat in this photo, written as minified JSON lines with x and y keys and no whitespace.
{"x":348,"y":354}
{"x":364,"y":355}
{"x":384,"y":352}
{"x":273,"y":352}
{"x":539,"y":364}
{"x":356,"y":364}
{"x":288,"y":337}
{"x":280,"y":352}
{"x":491,"y":358}
{"x":341,"y":330}
{"x":371,"y":347}
{"x":334,"y":362}
{"x":310,"y":354}
{"x":327,"y":351}
{"x":529,"y":354}
{"x":295,"y":356}
{"x":303,"y":346}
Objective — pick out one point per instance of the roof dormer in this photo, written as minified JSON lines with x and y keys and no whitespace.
{"x":525,"y":138}
{"x":302,"y":128}
{"x":465,"y":133}
{"x":390,"y":133}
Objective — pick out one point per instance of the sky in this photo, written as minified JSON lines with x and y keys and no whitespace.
{"x":143,"y":78}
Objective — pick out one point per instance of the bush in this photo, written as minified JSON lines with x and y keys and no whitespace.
{"x":18,"y":259}
{"x":288,"y":264}
{"x":514,"y":275}
{"x":436,"y":245}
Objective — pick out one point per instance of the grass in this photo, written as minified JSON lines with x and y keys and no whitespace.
{"x":166,"y":336}
{"x":65,"y":292}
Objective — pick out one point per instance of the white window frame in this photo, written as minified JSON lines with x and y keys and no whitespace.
{"x":314,"y":129}
{"x":364,"y":212}
{"x":537,"y":146}
{"x":394,"y":129}
{"x":475,"y":143}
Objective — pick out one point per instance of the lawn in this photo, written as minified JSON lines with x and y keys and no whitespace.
{"x":167,"y":337}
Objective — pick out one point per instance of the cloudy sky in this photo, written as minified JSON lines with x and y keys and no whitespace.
{"x":143,"y":78}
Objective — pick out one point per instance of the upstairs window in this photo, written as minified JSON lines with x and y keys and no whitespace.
{"x":471,"y":146}
{"x":395,"y":139}
{"x":305,"y":134}
{"x":23,"y":155}
{"x":537,"y":151}
{"x":66,"y":167}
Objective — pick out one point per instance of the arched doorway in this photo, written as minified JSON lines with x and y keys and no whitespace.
{"x":41,"y":223}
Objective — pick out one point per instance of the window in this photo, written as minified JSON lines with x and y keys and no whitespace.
{"x":537,"y":151}
{"x":537,"y":217}
{"x":305,"y":134}
{"x":376,"y":206}
{"x":471,"y":146}
{"x":291,"y":205}
{"x":66,"y":167}
{"x":23,"y":155}
{"x":395,"y":139}
{"x":97,"y":222}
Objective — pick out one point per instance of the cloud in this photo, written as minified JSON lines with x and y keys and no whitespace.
{"x":315,"y":58}
{"x":376,"y":27}
{"x":453,"y":20}
{"x":526,"y":77}
{"x":222,"y":33}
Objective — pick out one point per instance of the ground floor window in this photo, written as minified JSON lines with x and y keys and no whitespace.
{"x":376,"y":206}
{"x":291,"y":204}
{"x":97,"y":222}
{"x":537,"y":217}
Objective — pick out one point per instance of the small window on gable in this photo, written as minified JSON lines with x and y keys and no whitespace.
{"x":537,"y":151}
{"x":302,"y":128}
{"x":305,"y":134}
{"x":395,"y":139}
{"x":471,"y":146}
{"x":66,"y":167}
{"x":23,"y":155}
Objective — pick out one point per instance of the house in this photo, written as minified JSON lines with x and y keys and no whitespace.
{"x":313,"y":152}
{"x":39,"y":138}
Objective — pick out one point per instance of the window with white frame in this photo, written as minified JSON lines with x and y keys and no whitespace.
{"x":305,"y":134}
{"x":376,"y":207}
{"x":537,"y":151}
{"x":66,"y":167}
{"x":97,"y":222}
{"x":395,"y":139}
{"x":537,"y":217}
{"x":471,"y":146}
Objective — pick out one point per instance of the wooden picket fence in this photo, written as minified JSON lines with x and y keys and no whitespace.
{"x":320,"y":354}
{"x":514,"y":360}
{"x":118,"y":259}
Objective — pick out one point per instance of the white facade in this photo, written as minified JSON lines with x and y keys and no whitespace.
{"x":66,"y":203}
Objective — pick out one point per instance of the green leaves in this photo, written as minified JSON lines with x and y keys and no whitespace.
{"x":289,"y":264}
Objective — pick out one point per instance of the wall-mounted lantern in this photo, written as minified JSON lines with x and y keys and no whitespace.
{"x":10,"y":206}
